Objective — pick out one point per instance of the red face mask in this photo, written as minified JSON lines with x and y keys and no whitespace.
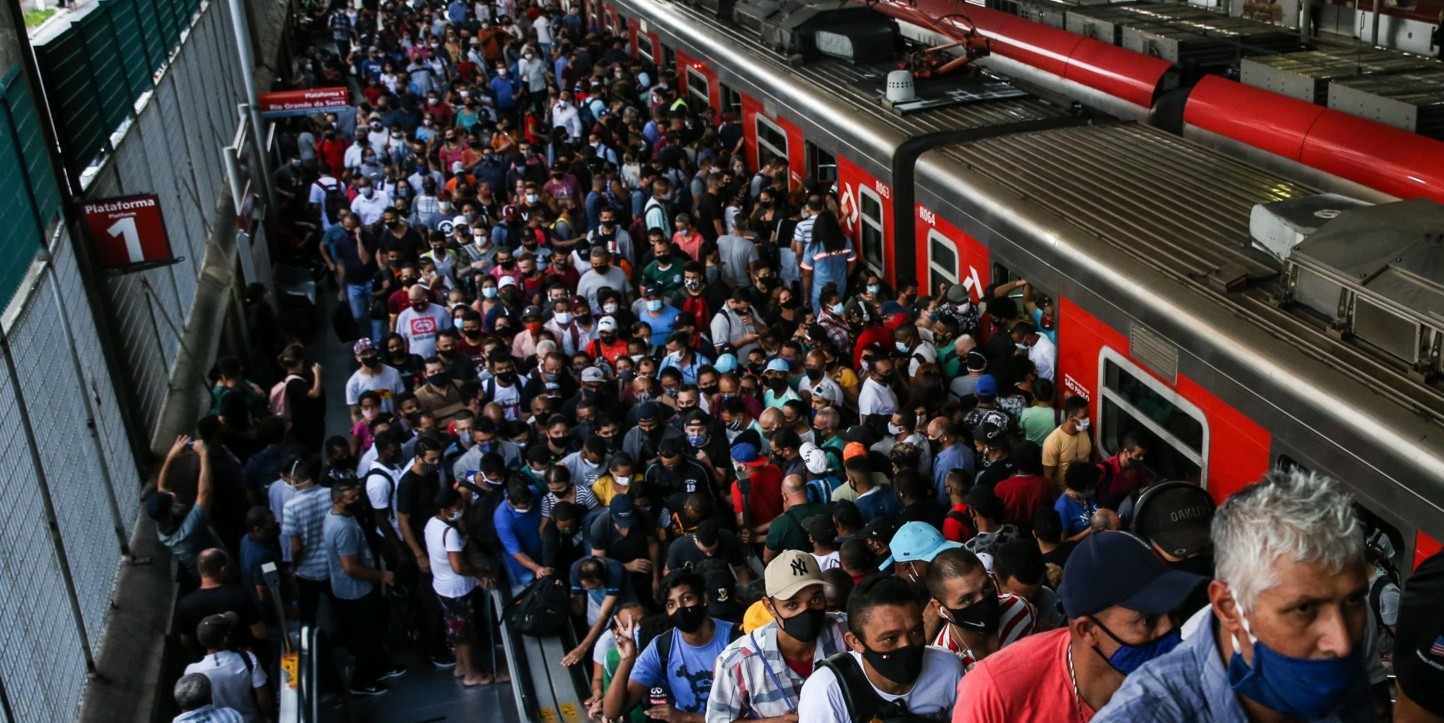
{"x":533,"y":326}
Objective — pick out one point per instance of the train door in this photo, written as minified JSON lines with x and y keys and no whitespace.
{"x":949,"y":256}
{"x":1135,"y":405}
{"x":942,"y":259}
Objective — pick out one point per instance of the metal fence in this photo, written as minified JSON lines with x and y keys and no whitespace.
{"x":31,"y":200}
{"x":42,"y":660}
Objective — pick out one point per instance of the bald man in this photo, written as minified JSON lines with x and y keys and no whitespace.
{"x":786,"y":532}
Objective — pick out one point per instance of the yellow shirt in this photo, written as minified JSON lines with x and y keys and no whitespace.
{"x":1061,"y":449}
{"x":605,"y":488}
{"x":755,"y":617}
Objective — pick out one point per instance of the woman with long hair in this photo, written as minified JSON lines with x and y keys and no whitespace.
{"x":828,"y":258}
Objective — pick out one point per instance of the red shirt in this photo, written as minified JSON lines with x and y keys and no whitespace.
{"x":870,"y":335}
{"x":764,"y":502}
{"x":1023,"y":495}
{"x":954,"y":529}
{"x":1027,"y":680}
{"x":1118,"y":483}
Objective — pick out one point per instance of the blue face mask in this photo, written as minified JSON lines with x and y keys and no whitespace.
{"x":1129,"y":657}
{"x":901,"y":346}
{"x":696,"y":440}
{"x":1296,"y":687}
{"x":837,"y":309}
{"x":873,"y":288}
{"x":654,"y":305}
{"x":488,"y":292}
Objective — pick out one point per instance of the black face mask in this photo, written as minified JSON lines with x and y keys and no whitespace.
{"x":980,"y":617}
{"x":901,"y":666}
{"x":778,"y":385}
{"x":805,"y":627}
{"x":689,"y":619}
{"x":371,"y":362}
{"x":507,"y":377}
{"x":814,"y":374}
{"x":437,"y":380}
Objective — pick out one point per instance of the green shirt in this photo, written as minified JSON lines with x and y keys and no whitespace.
{"x":1038,"y":423}
{"x":786,"y":532}
{"x":669,"y":279}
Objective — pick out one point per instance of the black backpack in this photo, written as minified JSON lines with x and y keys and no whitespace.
{"x":863,"y":703}
{"x":541,"y":609}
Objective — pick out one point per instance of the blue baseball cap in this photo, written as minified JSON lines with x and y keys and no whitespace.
{"x":746,"y":453}
{"x":778,"y":365}
{"x":726,"y":362}
{"x":1116,"y":568}
{"x":916,"y":541}
{"x":987,"y":387}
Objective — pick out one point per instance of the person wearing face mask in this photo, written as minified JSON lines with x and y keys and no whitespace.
{"x":441,"y":395}
{"x":672,"y":677}
{"x":454,"y":582}
{"x":518,"y":526}
{"x":877,"y":400}
{"x":1118,"y":598}
{"x":1294,"y":536}
{"x":979,"y":619}
{"x":888,"y":673}
{"x":761,"y":675}
{"x":355,"y":597}
{"x":420,"y":320}
{"x":601,"y":275}
{"x":1070,"y":443}
{"x":565,"y":327}
{"x":369,"y":203}
{"x":372,"y":376}
{"x":1038,"y":348}
{"x":1123,"y":475}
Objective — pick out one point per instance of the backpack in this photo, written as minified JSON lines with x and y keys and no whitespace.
{"x":480,"y":519}
{"x":542,"y":608}
{"x":863,"y":703}
{"x":334,"y":200}
{"x":277,"y":403}
{"x":1376,"y":594}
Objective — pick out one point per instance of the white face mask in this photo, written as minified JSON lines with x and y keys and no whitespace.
{"x":454,"y":515}
{"x":1082,"y":424}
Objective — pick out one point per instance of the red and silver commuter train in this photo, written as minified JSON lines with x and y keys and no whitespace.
{"x":1167,"y":322}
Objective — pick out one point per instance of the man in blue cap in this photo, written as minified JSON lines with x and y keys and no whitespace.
{"x":914,"y":546}
{"x":757,"y":499}
{"x":1283,"y":636}
{"x":1117,"y":595}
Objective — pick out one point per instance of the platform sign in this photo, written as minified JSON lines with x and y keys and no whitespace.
{"x":128,"y":232}
{"x":285,"y":103}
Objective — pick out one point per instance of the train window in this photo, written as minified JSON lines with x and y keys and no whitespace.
{"x":644,"y":47}
{"x":870,"y":206}
{"x":669,"y":58}
{"x":731,"y":100}
{"x":942,"y":260}
{"x":1134,"y":403}
{"x":698,"y":89}
{"x":820,"y":164}
{"x":771,"y":141}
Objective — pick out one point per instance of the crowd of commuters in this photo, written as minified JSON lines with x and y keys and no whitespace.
{"x":595,"y":342}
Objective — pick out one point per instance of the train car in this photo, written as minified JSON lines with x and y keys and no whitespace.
{"x":825,"y":118}
{"x":1168,"y":322}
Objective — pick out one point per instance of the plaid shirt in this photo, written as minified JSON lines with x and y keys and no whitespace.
{"x":744,"y":688}
{"x":304,"y":516}
{"x":209,"y":714}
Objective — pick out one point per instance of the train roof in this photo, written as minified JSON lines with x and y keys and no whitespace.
{"x":825,"y":89}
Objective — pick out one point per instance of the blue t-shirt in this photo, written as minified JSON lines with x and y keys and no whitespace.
{"x":1075,"y":516}
{"x":661,"y":325}
{"x":520,"y":533}
{"x":254,"y":554}
{"x":689,"y":669}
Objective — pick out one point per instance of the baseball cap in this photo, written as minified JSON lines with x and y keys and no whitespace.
{"x":606,"y":323}
{"x":976,"y":361}
{"x":213,"y":629}
{"x":593,"y":374}
{"x":621,"y":511}
{"x":790,"y":573}
{"x":813,"y":457}
{"x":362,"y":345}
{"x":532,"y":311}
{"x":746,"y":453}
{"x":723,"y":602}
{"x":649,"y":412}
{"x":457,"y":166}
{"x":726,"y":362}
{"x":987,"y":387}
{"x":990,"y":432}
{"x":505,"y":281}
{"x":1115,"y":568}
{"x":880,"y":529}
{"x":1175,"y":516}
{"x":896,"y":321}
{"x":916,"y":541}
{"x":860,"y":434}
{"x":853,"y":449}
{"x":957,"y":293}
{"x":652,"y":290}
{"x":778,"y":365}
{"x":820,"y":527}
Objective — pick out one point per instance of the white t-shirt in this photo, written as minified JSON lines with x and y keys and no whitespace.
{"x":1044,"y":356}
{"x":828,"y":561}
{"x":441,"y":539}
{"x":232,"y":686}
{"x":876,"y":398}
{"x":386,"y":383}
{"x":509,"y":398}
{"x":420,"y":328}
{"x":381,"y":491}
{"x":931,"y":697}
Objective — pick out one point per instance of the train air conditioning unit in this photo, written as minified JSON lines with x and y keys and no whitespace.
{"x":801,"y":29}
{"x":724,"y":10}
{"x":1377,"y":275}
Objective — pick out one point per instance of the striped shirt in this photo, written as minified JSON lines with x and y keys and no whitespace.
{"x":747,"y":681}
{"x":209,"y":714}
{"x":1018,"y":619}
{"x":304,"y":516}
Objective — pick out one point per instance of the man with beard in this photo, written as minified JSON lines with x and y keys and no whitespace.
{"x":762,"y":675}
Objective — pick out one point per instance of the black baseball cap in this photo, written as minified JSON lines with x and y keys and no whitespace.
{"x":1175,"y":516}
{"x":1115,"y":568}
{"x":620,"y":508}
